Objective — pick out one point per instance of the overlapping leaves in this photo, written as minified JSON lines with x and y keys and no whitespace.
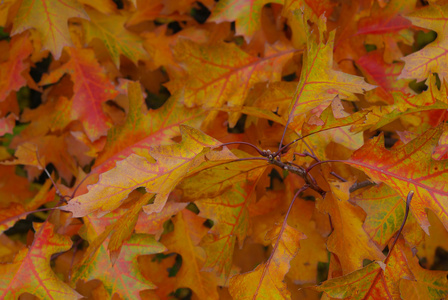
{"x":162,"y":125}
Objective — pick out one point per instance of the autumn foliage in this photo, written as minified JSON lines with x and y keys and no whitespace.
{"x":245,"y":149}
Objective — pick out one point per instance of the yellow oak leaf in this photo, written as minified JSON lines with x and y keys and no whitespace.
{"x":159,"y":172}
{"x":266,"y":281}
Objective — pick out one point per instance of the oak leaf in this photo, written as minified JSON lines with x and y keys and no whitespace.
{"x":11,"y":70}
{"x":222,"y":73}
{"x":188,"y":231}
{"x":54,"y":30}
{"x":266,"y":281}
{"x":409,"y":168}
{"x":348,"y":240}
{"x":111,"y":30}
{"x":246,"y":14}
{"x":96,"y":263}
{"x":432,"y":58}
{"x":171,"y":164}
{"x":91,"y":89}
{"x":31,"y":273}
{"x":319,"y":83}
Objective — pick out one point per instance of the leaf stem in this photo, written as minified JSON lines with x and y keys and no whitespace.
{"x":408,"y":204}
{"x":322,"y":162}
{"x":247,"y":144}
{"x":26,"y":214}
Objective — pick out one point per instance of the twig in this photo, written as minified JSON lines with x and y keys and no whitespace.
{"x":360,"y":185}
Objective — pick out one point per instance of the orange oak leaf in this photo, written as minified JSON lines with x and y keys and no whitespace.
{"x":53,"y":116}
{"x":266,"y":281}
{"x":277,"y":97}
{"x":37,"y":152}
{"x":14,"y":207}
{"x":313,"y":249}
{"x":386,"y":19}
{"x":11,"y":70}
{"x":91,"y":89}
{"x":171,"y":164}
{"x":146,"y":10}
{"x":159,"y":272}
{"x":433,"y":58}
{"x":188,"y":231}
{"x":31,"y":273}
{"x":153,"y":223}
{"x":222,"y":73}
{"x":159,"y":45}
{"x":246,"y":13}
{"x":26,"y":154}
{"x":348,"y":240}
{"x":437,"y":238}
{"x":49,"y":18}
{"x":409,"y":168}
{"x":104,"y":6}
{"x":111,"y":30}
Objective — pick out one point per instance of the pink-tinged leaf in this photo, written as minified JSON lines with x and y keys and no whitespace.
{"x":49,"y":18}
{"x":11,"y":78}
{"x":7,"y":124}
{"x":91,"y":89}
{"x":388,"y":19}
{"x":384,"y":75}
{"x":31,"y":273}
{"x":409,"y":168}
{"x":141,"y":131}
{"x":399,"y":275}
{"x":378,"y":280}
{"x":123,"y":277}
{"x":160,"y":177}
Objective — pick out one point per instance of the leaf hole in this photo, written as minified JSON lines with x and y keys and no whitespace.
{"x":183,"y":294}
{"x":155,"y":101}
{"x":200,"y":12}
